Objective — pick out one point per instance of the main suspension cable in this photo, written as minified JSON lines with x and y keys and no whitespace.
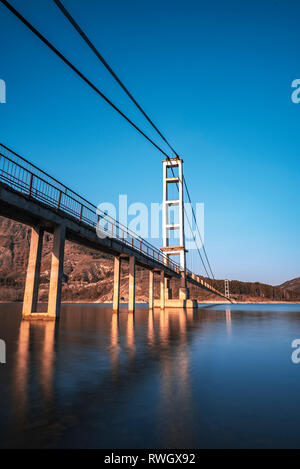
{"x":108,"y":101}
{"x":81,"y":75}
{"x":108,"y":67}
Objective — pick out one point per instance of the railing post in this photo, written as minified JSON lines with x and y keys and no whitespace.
{"x":30,"y":184}
{"x":81,"y":209}
{"x":59,"y":199}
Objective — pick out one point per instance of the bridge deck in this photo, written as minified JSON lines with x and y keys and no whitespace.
{"x":31,"y":196}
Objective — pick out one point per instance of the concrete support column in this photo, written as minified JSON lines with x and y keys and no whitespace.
{"x":131,"y":299}
{"x":151,"y":289}
{"x":168,"y":291}
{"x":184,"y":293}
{"x":33,"y":272}
{"x":116,"y":298}
{"x":56,"y":276}
{"x":162,"y":290}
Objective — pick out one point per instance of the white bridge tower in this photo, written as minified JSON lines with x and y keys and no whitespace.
{"x":173,"y":174}
{"x":227,"y":294}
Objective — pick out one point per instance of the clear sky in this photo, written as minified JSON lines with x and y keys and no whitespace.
{"x":216,"y":78}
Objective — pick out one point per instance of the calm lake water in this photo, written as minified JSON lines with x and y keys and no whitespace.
{"x":218,"y":377}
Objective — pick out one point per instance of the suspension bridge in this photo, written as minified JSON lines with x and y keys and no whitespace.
{"x":33,"y":197}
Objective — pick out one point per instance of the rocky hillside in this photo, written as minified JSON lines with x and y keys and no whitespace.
{"x":88,"y":274}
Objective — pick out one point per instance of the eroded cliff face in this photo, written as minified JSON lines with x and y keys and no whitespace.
{"x":88,"y":274}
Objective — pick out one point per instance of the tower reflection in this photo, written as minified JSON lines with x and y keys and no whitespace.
{"x":175,"y":374}
{"x":228,"y":321}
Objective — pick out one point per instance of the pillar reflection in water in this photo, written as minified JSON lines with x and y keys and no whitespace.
{"x":175,"y":377}
{"x":151,"y":332}
{"x":47,"y":357}
{"x":164,"y":327}
{"x":28,"y":332}
{"x":21,"y":371}
{"x":114,"y":342}
{"x":130,"y":334}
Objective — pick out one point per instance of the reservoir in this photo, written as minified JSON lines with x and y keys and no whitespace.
{"x":218,"y":377}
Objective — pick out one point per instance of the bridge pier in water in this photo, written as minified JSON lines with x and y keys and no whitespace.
{"x":131,"y":297}
{"x":184,"y":292}
{"x":162,"y":290}
{"x":54,"y":300}
{"x":56,"y":275}
{"x":117,"y":278}
{"x":131,"y":284}
{"x":168,"y":292}
{"x":29,"y":310}
{"x":33,"y":272}
{"x":151,"y":289}
{"x":43,"y":203}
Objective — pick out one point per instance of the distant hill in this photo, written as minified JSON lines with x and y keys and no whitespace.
{"x":257,"y":292}
{"x":293,"y":284}
{"x":88,"y":275}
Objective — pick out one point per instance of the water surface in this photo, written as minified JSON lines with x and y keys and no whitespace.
{"x":218,"y":377}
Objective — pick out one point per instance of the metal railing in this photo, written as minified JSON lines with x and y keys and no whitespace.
{"x":26,"y":178}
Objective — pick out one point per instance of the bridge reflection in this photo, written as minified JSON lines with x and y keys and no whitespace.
{"x":94,"y":356}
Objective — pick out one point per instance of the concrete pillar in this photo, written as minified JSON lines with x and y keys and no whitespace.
{"x":162,"y":290}
{"x":184,"y":293}
{"x":131,"y":298}
{"x":33,"y":272}
{"x":168,"y":292}
{"x":151,"y":289}
{"x":56,"y":276}
{"x":116,"y":298}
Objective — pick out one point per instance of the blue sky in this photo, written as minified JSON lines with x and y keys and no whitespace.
{"x":216,"y":78}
